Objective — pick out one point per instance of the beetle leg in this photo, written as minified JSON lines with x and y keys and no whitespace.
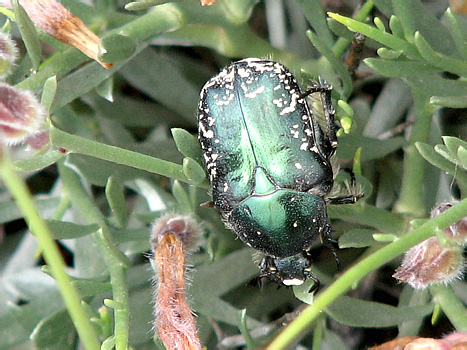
{"x":208,"y":204}
{"x":316,"y":284}
{"x":354,"y":192}
{"x":345,"y":200}
{"x":325,"y":95}
{"x":330,"y":243}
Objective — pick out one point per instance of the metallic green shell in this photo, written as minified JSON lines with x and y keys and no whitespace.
{"x":266,"y":156}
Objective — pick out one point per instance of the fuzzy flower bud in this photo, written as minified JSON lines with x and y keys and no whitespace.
{"x":430,"y":263}
{"x":171,"y":236}
{"x":22,"y":118}
{"x":8,"y":54}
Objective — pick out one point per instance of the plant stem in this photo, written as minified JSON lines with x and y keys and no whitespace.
{"x":114,"y":259}
{"x":452,"y":306}
{"x":341,"y":44}
{"x":364,"y":267}
{"x":80,"y":145}
{"x":52,"y":255}
{"x":411,"y":199}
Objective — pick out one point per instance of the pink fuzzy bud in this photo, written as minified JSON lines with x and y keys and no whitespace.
{"x":8,"y":54}
{"x":22,"y":117}
{"x":430,"y":263}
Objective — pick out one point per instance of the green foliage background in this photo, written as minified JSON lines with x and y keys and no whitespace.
{"x":125,"y":127}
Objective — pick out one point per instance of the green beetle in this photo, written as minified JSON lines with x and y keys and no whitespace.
{"x":268,"y":161}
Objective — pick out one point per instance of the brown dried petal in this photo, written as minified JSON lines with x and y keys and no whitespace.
{"x":61,"y":24}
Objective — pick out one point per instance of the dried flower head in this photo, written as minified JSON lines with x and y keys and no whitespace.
{"x":430,"y":263}
{"x":171,"y":236}
{"x":61,"y":24}
{"x":22,"y":117}
{"x":8,"y":54}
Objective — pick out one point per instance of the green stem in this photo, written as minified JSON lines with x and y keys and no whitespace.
{"x":115,"y":260}
{"x":341,"y":44}
{"x":117,"y":263}
{"x":452,"y":306}
{"x":411,"y":198}
{"x":51,"y":253}
{"x":76,"y":144}
{"x":363,"y":268}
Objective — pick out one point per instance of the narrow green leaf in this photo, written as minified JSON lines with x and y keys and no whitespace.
{"x":340,"y":30}
{"x":359,"y":313}
{"x":242,"y":325}
{"x":415,"y":16}
{"x":302,"y":292}
{"x":68,"y":230}
{"x":116,"y":48}
{"x":388,"y":54}
{"x":88,"y":288}
{"x":193,"y":171}
{"x":384,"y":237}
{"x":183,"y":200}
{"x":442,"y":150}
{"x":238,"y":12}
{"x":453,"y":144}
{"x":116,"y":199}
{"x":105,"y":89}
{"x":150,"y":71}
{"x":435,"y":158}
{"x":38,"y":162}
{"x":48,"y":92}
{"x":145,"y":4}
{"x":83,"y":80}
{"x":457,"y":32}
{"x":399,"y":68}
{"x":396,"y":27}
{"x":439,"y":60}
{"x":372,"y":148}
{"x":384,"y":38}
{"x":368,"y":215}
{"x":334,"y":61}
{"x":187,"y":144}
{"x":439,"y":161}
{"x":206,"y":290}
{"x":357,"y":238}
{"x":316,"y":16}
{"x":56,"y":325}
{"x":462,"y":154}
{"x":29,"y":35}
{"x":379,"y":24}
{"x":385,"y":6}
{"x":77,"y":144}
{"x":9,"y":210}
{"x":449,"y":101}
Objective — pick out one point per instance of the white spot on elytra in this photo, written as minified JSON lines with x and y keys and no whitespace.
{"x":253,"y":94}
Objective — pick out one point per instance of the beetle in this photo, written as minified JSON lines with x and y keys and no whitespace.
{"x":268,"y":160}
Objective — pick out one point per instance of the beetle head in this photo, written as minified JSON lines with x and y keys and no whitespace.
{"x":288,"y":271}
